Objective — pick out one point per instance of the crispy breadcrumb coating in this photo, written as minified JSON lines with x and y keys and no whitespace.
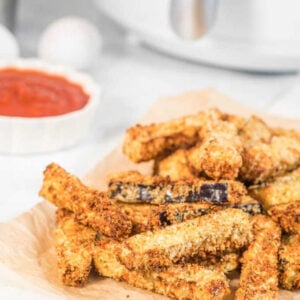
{"x":287,"y":216}
{"x":175,"y":166}
{"x":265,"y":161}
{"x":180,"y":282}
{"x":259,"y":276}
{"x":283,"y":189}
{"x":91,"y":207}
{"x":61,"y":214}
{"x":223,"y":231}
{"x":133,"y":187}
{"x":176,"y":233}
{"x":146,"y":142}
{"x":74,"y":247}
{"x":289,"y":262}
{"x":237,"y":121}
{"x":138,"y":214}
{"x":218,"y":155}
{"x":255,"y":130}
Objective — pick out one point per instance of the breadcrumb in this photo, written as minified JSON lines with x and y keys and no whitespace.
{"x":91,"y":207}
{"x":190,"y":281}
{"x":289,"y":262}
{"x":74,"y":247}
{"x":284,"y":189}
{"x":223,"y":231}
{"x":287,"y":216}
{"x":146,"y":142}
{"x":259,"y":276}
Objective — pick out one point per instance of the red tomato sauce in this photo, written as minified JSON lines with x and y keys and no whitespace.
{"x":30,"y":93}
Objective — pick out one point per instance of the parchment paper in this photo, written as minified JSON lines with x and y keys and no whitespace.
{"x":27,"y":255}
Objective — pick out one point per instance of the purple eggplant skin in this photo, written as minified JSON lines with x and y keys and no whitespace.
{"x":216,"y":193}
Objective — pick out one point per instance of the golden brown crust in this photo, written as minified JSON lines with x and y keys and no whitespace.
{"x":61,"y":214}
{"x":74,"y":246}
{"x":265,"y":161}
{"x":184,"y":243}
{"x":133,"y":187}
{"x":91,"y":207}
{"x":255,"y":130}
{"x":218,"y":155}
{"x":259,"y":276}
{"x":175,"y":166}
{"x":269,"y":152}
{"x":180,"y":282}
{"x":237,"y":121}
{"x":146,"y":142}
{"x":283,"y":189}
{"x":137,"y":213}
{"x":289,"y":262}
{"x":287,"y":216}
{"x":225,"y":230}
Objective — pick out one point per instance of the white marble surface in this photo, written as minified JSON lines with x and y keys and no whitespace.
{"x":132,"y":77}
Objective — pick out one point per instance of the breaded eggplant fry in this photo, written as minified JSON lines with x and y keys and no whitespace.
{"x":175,"y":166}
{"x":91,"y":207}
{"x":218,"y":155}
{"x":134,"y":187}
{"x":265,"y":161}
{"x":223,"y":231}
{"x":289,"y":262}
{"x":143,"y":143}
{"x":168,"y":214}
{"x":287,"y":216}
{"x":259,"y":276}
{"x":283,"y":189}
{"x":180,"y":282}
{"x":255,"y":130}
{"x":74,"y":248}
{"x":149,"y":217}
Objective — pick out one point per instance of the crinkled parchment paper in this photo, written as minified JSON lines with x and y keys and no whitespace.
{"x":27,"y":256}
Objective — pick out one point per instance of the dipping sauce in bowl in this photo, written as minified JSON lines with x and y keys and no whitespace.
{"x":44,"y":107}
{"x":33,"y":93}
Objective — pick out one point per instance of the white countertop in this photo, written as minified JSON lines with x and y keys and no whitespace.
{"x":132,"y":77}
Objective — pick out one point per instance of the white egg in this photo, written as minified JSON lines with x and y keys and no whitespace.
{"x":70,"y":41}
{"x":9,"y":48}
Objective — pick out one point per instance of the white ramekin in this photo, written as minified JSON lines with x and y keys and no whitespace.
{"x":20,"y":135}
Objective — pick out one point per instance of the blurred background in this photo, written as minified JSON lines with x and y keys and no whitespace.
{"x":233,"y":47}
